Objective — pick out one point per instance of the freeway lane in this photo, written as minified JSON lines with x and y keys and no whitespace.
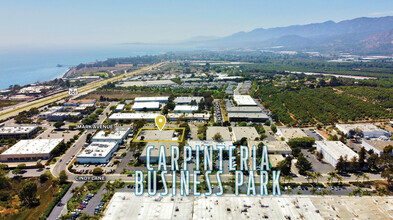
{"x":94,"y":85}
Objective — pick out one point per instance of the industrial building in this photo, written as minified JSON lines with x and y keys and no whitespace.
{"x":80,"y":102}
{"x":160,"y":99}
{"x":189,"y":116}
{"x":119,"y":117}
{"x":244,"y":100}
{"x":146,"y":106}
{"x":97,"y":152}
{"x":187,"y":100}
{"x":18,"y":132}
{"x":50,"y":111}
{"x":128,"y":205}
{"x":247,"y":117}
{"x":244,"y":109}
{"x":84,"y":107}
{"x":369,"y":130}
{"x":118,"y":135}
{"x":248,"y":132}
{"x":332,"y":150}
{"x":289,"y":133}
{"x":273,"y":147}
{"x":119,"y":107}
{"x":154,"y":153}
{"x":223,"y":131}
{"x":30,"y":150}
{"x":62,"y":116}
{"x":185,"y":108}
{"x":376,"y":145}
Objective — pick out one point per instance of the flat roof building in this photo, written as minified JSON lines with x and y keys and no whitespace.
{"x":160,"y":99}
{"x":133,"y":116}
{"x":289,"y":133}
{"x":244,"y":109}
{"x":117,"y":135}
{"x":154,"y":153}
{"x":187,"y":100}
{"x":185,"y":108}
{"x":332,"y":150}
{"x":376,"y":145}
{"x":30,"y":150}
{"x":119,"y":107}
{"x":223,"y":131}
{"x":248,"y":117}
{"x":248,"y":132}
{"x":369,"y":130}
{"x":18,"y":132}
{"x":80,"y":102}
{"x":97,"y":152}
{"x":189,"y":116}
{"x":244,"y":100}
{"x":203,"y":144}
{"x":62,"y":116}
{"x":148,"y":106}
{"x":273,"y":147}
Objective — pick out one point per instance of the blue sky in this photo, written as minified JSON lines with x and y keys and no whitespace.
{"x":103,"y":22}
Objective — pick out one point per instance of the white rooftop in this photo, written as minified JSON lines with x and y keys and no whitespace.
{"x":147,"y":105}
{"x":363,"y":127}
{"x":202,"y":144}
{"x":97,"y":149}
{"x":116,"y":134}
{"x":336,"y":149}
{"x":133,"y":116}
{"x":33,"y":146}
{"x":248,"y":132}
{"x":151,"y":99}
{"x":186,"y":108}
{"x":17,"y":130}
{"x":289,"y":133}
{"x":187,"y":99}
{"x":244,"y":100}
{"x":223,"y":131}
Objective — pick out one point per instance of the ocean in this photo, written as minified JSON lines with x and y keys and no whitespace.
{"x":38,"y":65}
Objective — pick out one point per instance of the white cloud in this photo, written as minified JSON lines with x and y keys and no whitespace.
{"x":382,"y":13}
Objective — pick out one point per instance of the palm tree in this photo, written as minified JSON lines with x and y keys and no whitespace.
{"x":318,"y":175}
{"x":365,"y":176}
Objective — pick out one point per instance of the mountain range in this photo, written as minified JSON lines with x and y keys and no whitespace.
{"x":371,"y":36}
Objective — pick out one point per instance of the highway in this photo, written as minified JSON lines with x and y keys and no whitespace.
{"x":89,"y":87}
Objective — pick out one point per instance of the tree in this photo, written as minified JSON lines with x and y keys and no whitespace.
{"x":319,"y":155}
{"x":372,"y":162}
{"x":284,"y":166}
{"x":58,"y":124}
{"x":362,"y":157}
{"x":388,"y":149}
{"x":267,"y":122}
{"x":340,"y":165}
{"x":98,"y":171}
{"x":354,"y":165}
{"x":63,"y":177}
{"x":388,"y":175}
{"x":303,"y":164}
{"x":274,"y":128}
{"x":217,"y":137}
{"x":28,"y":193}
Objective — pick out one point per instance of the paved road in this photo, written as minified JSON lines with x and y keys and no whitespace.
{"x":239,"y":85}
{"x":61,"y":206}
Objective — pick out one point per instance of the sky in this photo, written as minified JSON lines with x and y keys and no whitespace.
{"x":48,"y":23}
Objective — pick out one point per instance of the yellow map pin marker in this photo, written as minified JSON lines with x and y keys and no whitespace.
{"x":160,"y":122}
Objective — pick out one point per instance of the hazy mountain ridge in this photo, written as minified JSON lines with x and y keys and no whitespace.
{"x":360,"y":35}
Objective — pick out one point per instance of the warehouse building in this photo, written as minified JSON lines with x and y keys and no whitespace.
{"x":18,"y":132}
{"x":376,"y":145}
{"x":121,"y":117}
{"x":289,"y":133}
{"x":223,"y":131}
{"x":154,"y":153}
{"x":187,"y":100}
{"x":247,"y":117}
{"x":50,"y":111}
{"x":244,"y":109}
{"x":210,"y":143}
{"x":97,"y":152}
{"x":185,"y":108}
{"x":117,"y":135}
{"x":248,"y":132}
{"x":146,"y":106}
{"x":119,"y":107}
{"x":30,"y":150}
{"x":84,"y":107}
{"x":332,"y":150}
{"x":189,"y":116}
{"x":244,"y":100}
{"x":369,"y":130}
{"x":273,"y":147}
{"x":160,"y":99}
{"x":63,"y":116}
{"x":80,"y":102}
